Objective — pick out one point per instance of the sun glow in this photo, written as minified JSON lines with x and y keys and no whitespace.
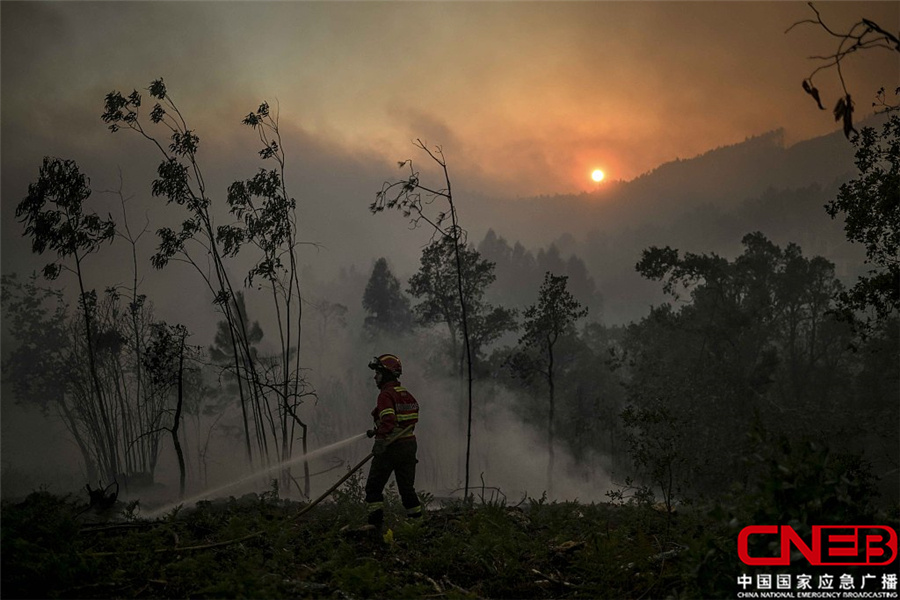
{"x":597,"y":175}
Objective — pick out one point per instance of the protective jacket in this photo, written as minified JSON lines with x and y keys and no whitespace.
{"x":396,"y":408}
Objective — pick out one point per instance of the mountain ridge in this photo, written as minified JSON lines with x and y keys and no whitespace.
{"x":703,"y":204}
{"x":724,"y":177}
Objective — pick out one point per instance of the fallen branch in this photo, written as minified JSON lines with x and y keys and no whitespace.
{"x":434,"y":583}
{"x":553,"y":579}
{"x":462,"y":590}
{"x":183,"y":549}
{"x":90,"y":586}
{"x":141,"y":525}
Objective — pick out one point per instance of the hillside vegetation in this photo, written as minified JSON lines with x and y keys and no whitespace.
{"x":56,"y":547}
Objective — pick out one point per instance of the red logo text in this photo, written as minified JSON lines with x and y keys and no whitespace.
{"x":829,"y":545}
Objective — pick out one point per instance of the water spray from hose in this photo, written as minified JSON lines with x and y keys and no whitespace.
{"x":255,"y":475}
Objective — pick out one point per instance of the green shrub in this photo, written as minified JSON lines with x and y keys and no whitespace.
{"x":38,"y":559}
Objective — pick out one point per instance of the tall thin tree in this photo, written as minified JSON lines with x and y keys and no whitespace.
{"x":411,"y":197}
{"x":54,"y":216}
{"x":271,"y":387}
{"x":553,"y":316}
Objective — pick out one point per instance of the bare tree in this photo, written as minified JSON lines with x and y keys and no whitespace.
{"x":863,"y":35}
{"x":411,"y":197}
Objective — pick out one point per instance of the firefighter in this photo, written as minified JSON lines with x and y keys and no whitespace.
{"x":395,"y":410}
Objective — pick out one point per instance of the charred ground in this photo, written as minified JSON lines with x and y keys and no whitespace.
{"x":254,"y":546}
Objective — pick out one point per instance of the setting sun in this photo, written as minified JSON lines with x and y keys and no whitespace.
{"x":597,"y":175}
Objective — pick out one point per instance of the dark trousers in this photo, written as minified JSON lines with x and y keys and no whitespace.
{"x":400,"y":459}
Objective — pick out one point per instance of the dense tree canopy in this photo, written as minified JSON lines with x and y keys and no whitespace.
{"x":386,"y":305}
{"x":754,"y":341}
{"x":434,"y":285}
{"x":870,"y":205}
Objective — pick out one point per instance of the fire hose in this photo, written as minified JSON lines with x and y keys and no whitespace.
{"x":255,"y":534}
{"x":347,"y":475}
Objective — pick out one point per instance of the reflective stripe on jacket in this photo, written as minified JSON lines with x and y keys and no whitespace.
{"x":396,"y":407}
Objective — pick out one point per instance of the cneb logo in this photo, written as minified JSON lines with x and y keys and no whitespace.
{"x":831,"y":545}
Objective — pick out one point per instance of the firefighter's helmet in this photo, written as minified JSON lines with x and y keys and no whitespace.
{"x":387,"y":362}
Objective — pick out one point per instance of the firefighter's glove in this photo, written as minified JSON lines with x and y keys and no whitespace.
{"x":370,"y":433}
{"x":379,"y":447}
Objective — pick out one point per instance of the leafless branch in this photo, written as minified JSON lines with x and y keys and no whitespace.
{"x":862,"y":35}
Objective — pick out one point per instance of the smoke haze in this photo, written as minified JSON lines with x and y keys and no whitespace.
{"x":705,"y":137}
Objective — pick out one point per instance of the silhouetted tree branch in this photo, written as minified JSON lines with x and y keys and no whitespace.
{"x":410,"y":196}
{"x":862,"y":35}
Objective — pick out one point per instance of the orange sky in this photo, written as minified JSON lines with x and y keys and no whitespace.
{"x":526,"y":98}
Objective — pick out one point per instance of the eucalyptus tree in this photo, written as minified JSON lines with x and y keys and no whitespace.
{"x":545,"y":323}
{"x":48,"y":367}
{"x":268,"y":222}
{"x":413,"y":199}
{"x":140,"y":319}
{"x":123,"y":330}
{"x":93,"y":371}
{"x":265,"y":214}
{"x":39,"y":367}
{"x":221,"y":354}
{"x":434,"y":285}
{"x":54,"y":216}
